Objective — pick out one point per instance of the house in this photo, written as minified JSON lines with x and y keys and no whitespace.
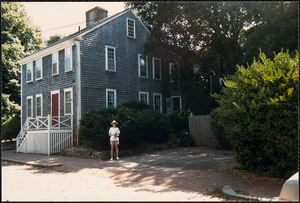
{"x":103,"y":65}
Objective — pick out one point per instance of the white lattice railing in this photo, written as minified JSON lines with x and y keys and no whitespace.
{"x":20,"y":140}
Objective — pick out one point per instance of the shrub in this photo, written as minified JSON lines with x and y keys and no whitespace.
{"x":180,"y":120}
{"x":11,"y":128}
{"x":139,"y":106}
{"x":186,"y":139}
{"x":154,"y":126}
{"x":258,"y":110}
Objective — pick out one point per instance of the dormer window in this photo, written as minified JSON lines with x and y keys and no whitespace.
{"x":131,"y":28}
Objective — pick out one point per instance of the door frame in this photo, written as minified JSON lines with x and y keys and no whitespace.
{"x":55,"y":92}
{"x":180,"y":101}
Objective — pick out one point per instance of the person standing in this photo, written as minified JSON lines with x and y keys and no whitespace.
{"x":114,"y":134}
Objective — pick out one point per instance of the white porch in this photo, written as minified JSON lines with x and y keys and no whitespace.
{"x":45,"y":135}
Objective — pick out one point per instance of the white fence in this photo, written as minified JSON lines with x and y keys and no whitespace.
{"x":200,"y":130}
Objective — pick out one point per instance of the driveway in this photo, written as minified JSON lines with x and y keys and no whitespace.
{"x":172,"y":175}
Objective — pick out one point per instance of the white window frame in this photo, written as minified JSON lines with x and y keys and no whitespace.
{"x":134,"y":28}
{"x":36,"y":107}
{"x":115,"y":97}
{"x":31,"y":71}
{"x":41,"y":59}
{"x":71,"y":63}
{"x":180,"y":100}
{"x":171,"y":68}
{"x":57,"y":62}
{"x":65,"y":91}
{"x":106,"y":58}
{"x":139,"y":65}
{"x":146,"y":93}
{"x":29,"y":97}
{"x":157,"y":94}
{"x":153,"y":68}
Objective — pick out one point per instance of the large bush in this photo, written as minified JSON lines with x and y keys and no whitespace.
{"x":180,"y":120}
{"x":258,"y":110}
{"x":11,"y":128}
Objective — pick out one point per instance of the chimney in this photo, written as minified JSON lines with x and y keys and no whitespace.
{"x":95,"y":15}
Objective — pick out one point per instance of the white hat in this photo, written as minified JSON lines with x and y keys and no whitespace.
{"x":114,"y":121}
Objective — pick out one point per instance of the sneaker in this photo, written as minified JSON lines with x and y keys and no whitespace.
{"x":117,"y":158}
{"x":111,"y":158}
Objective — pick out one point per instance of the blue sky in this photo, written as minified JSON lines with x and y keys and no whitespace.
{"x":52,"y":16}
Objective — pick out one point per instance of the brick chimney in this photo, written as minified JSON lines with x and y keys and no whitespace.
{"x":95,"y":15}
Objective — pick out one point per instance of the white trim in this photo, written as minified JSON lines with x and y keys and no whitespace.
{"x":31,"y":70}
{"x":55,"y":92}
{"x":180,"y":100}
{"x":147,"y":93}
{"x":171,"y":68}
{"x":106,"y":58}
{"x":115,"y":97}
{"x":134,"y":28}
{"x":37,"y":79}
{"x":157,"y":94}
{"x":68,"y":90}
{"x":139,"y":66}
{"x":29,"y":97}
{"x":48,"y":51}
{"x":78,"y":85}
{"x":71,"y":62}
{"x":41,"y":96}
{"x":21,"y":95}
{"x":57,"y":63}
{"x":153,"y":68}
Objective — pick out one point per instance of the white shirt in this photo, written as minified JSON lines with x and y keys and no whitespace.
{"x":113,"y":130}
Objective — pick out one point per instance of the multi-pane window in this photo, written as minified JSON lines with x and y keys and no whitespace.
{"x":29,"y":72}
{"x":143,"y":65}
{"x":157,"y":101}
{"x":110,"y":58}
{"x":68,"y":101}
{"x":130,"y":28}
{"x":54,"y":63}
{"x":111,"y":98}
{"x":68,"y":58}
{"x":38,"y":69}
{"x":156,"y":68}
{"x":39,"y":105}
{"x":144,"y":97}
{"x":29,"y":107}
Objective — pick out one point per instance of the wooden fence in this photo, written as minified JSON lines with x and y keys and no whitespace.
{"x":200,"y":130}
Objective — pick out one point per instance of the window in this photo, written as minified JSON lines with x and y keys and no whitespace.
{"x":39,"y":105}
{"x":143,"y":65}
{"x":55,"y":69}
{"x":156,"y":68}
{"x":111,"y":98}
{"x":29,"y":72}
{"x":39,"y":69}
{"x":130,"y":28}
{"x":157,"y":101}
{"x":29,"y":107}
{"x":68,"y":108}
{"x":171,"y":68}
{"x":68,"y":58}
{"x":144,"y":97}
{"x":110,"y":58}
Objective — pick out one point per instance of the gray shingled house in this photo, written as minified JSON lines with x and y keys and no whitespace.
{"x":103,"y":65}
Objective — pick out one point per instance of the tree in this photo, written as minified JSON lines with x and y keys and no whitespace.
{"x":54,"y":38}
{"x":19,"y":38}
{"x":258,"y":110}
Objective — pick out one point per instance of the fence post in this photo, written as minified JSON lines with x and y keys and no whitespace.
{"x":49,"y":126}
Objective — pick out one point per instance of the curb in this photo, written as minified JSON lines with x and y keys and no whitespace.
{"x":32,"y":163}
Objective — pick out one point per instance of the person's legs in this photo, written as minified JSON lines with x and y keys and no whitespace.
{"x":111,"y":150}
{"x":117,"y":150}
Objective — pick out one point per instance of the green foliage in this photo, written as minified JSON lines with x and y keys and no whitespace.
{"x":11,"y":128}
{"x":136,"y":105}
{"x":180,"y":120}
{"x":134,"y":124}
{"x":54,"y":38}
{"x":258,"y":110}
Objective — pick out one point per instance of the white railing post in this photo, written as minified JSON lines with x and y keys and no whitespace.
{"x":49,"y":127}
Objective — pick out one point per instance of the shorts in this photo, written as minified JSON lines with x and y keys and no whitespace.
{"x":114,"y":142}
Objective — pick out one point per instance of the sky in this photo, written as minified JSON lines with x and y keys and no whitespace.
{"x":52,"y":16}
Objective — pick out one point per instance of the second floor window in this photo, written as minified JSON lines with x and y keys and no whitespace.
{"x":156,"y":68}
{"x":68,"y":59}
{"x":29,"y":72}
{"x":143,"y":65}
{"x":110,"y":58}
{"x":54,"y":63}
{"x":39,"y":69}
{"x":130,"y":28}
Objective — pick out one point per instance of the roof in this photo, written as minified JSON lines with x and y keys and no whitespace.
{"x":77,"y":35}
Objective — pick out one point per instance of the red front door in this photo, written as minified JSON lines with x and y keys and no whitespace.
{"x":54,"y":109}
